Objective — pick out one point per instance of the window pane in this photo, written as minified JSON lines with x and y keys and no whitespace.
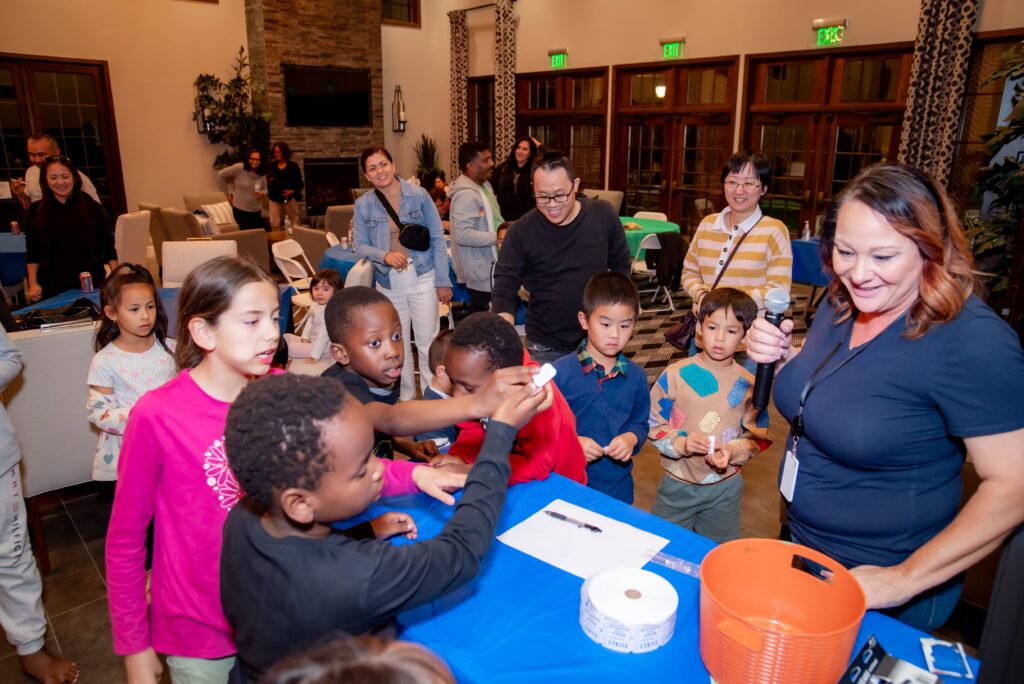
{"x":586,"y":143}
{"x":12,"y":141}
{"x":588,"y":93}
{"x":789,"y":83}
{"x":403,"y":11}
{"x":871,"y":80}
{"x":707,"y":86}
{"x":786,"y":146}
{"x":542,"y":94}
{"x":644,"y":170}
{"x":644,"y":89}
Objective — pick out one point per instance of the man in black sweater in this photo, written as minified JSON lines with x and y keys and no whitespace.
{"x":301,"y":448}
{"x":552,"y":252}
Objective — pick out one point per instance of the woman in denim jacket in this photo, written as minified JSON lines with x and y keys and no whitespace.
{"x":414,"y":281}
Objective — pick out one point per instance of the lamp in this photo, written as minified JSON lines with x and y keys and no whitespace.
{"x":398,"y":112}
{"x":201,"y":114}
{"x":659,"y":91}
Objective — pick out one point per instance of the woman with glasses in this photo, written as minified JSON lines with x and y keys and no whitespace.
{"x":246,"y":191}
{"x":413,"y":280}
{"x":67,"y":233}
{"x":763,"y":257}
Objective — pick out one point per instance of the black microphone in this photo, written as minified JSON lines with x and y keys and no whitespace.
{"x":776,"y":301}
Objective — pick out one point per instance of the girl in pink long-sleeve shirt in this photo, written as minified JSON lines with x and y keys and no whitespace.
{"x":173,"y":470}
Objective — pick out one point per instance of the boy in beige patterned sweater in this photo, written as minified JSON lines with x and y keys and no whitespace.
{"x":704,"y":424}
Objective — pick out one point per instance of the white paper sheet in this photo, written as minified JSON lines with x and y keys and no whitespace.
{"x":577,"y":550}
{"x":5,"y":190}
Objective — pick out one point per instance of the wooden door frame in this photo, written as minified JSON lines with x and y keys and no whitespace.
{"x":106,"y":113}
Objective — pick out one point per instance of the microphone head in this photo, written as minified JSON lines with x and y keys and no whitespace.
{"x":776,"y":300}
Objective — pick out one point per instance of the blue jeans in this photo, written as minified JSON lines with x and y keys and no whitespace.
{"x":931,"y":609}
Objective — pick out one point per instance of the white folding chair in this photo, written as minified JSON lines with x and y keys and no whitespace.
{"x":286,"y":255}
{"x":651,"y":215}
{"x":640,"y":268}
{"x":131,"y":237}
{"x":333,"y":240}
{"x":179,"y":258}
{"x":360,"y":274}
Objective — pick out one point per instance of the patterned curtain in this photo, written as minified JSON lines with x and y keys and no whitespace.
{"x":504,"y":77}
{"x":938,"y":79}
{"x":459,"y":86}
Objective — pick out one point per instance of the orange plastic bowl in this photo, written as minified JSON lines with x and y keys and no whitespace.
{"x":771,"y":611}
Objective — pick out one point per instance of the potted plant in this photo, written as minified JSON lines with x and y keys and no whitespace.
{"x":227,"y":112}
{"x":426,"y":157}
{"x":994,"y":237}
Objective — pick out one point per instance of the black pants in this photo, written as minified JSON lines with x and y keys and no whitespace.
{"x":479,"y":300}
{"x":248,"y":219}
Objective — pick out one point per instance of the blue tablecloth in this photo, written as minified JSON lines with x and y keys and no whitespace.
{"x":168,"y":295}
{"x":807,"y":263}
{"x":518,"y":621}
{"x":341,"y":260}
{"x":12,"y":258}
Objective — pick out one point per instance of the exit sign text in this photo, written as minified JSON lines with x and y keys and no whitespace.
{"x":671,"y":50}
{"x":831,"y":35}
{"x":558,"y":60}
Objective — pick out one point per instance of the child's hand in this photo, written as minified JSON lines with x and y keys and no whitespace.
{"x":424,"y":450}
{"x":591,"y":449}
{"x":696,"y":444}
{"x":143,"y":667}
{"x":504,"y":382}
{"x":437,"y":483}
{"x":393,"y":523}
{"x":736,"y":454}
{"x":445,"y":459}
{"x":524,"y":404}
{"x":311,"y":361}
{"x":621,"y":448}
{"x":719,"y":459}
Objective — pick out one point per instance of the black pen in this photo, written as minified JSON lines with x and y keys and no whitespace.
{"x":574,"y":521}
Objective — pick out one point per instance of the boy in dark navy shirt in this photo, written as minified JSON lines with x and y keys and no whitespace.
{"x":607,"y":392}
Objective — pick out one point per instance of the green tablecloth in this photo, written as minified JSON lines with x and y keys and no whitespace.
{"x":647,"y":226}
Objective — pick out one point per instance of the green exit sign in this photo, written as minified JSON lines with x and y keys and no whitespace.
{"x":558,"y":60}
{"x":831,"y":35}
{"x":671,"y":50}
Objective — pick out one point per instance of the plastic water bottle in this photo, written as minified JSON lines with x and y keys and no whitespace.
{"x":807,"y":235}
{"x":288,"y":225}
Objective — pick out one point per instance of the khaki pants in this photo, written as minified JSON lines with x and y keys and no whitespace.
{"x":278,"y":210}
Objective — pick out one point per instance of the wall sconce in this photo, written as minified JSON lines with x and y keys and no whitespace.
{"x":398,"y":112}
{"x":201,"y":114}
{"x":659,"y":92}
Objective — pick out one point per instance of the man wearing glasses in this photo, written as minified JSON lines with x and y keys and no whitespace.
{"x":39,"y":148}
{"x":553,"y":251}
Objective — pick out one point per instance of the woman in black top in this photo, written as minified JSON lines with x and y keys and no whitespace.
{"x":513,"y":187}
{"x":67,"y":233}
{"x":284,"y":186}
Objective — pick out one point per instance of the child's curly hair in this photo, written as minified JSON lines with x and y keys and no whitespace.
{"x":273,"y":437}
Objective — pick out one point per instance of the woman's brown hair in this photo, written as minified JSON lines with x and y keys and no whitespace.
{"x":918,"y":209}
{"x":207,"y":293}
{"x":361,"y":660}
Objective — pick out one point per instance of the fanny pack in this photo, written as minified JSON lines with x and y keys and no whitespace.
{"x":410,"y":235}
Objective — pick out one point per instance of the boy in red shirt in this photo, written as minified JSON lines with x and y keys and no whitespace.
{"x":481,"y":344}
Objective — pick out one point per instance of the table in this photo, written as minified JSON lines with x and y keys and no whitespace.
{"x":807,"y":267}
{"x":341,"y":260}
{"x":168,"y":295}
{"x":647,"y":227}
{"x":518,"y":621}
{"x":12,"y":259}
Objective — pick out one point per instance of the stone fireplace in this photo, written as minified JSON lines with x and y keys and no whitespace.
{"x":321,"y":33}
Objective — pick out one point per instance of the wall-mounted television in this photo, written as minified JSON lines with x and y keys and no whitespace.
{"x":326,"y":96}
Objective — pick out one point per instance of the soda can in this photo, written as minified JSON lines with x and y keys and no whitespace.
{"x":344,"y":243}
{"x":86,"y":279}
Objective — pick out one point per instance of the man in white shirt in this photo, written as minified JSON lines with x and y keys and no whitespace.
{"x":28,"y":191}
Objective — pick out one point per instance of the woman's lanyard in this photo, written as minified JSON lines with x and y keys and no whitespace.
{"x":798,"y":420}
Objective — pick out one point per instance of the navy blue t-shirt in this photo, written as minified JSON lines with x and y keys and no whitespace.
{"x":882,"y":452}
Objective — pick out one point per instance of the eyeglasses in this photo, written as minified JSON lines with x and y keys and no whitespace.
{"x":554,"y":199}
{"x":746,"y":185}
{"x":61,"y":159}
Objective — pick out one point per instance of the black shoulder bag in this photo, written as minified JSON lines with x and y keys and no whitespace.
{"x":410,"y":235}
{"x":681,"y":334}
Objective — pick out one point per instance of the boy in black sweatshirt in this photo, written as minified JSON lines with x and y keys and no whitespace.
{"x":301,"y":448}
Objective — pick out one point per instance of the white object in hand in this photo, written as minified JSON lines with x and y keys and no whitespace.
{"x":711,"y":444}
{"x":546,"y":373}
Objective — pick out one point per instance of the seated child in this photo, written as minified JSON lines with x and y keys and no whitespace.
{"x":366,"y":343}
{"x":315,"y":344}
{"x":607,"y":392}
{"x":440,"y":387}
{"x":363,"y":658}
{"x":482,"y":344}
{"x":303,"y":450}
{"x":708,"y":396}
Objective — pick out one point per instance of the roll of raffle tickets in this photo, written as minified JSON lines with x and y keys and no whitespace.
{"x":628,"y":610}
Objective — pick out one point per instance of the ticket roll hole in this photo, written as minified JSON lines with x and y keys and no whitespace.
{"x":633,"y":594}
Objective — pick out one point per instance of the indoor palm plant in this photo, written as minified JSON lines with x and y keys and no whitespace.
{"x":227,"y":112}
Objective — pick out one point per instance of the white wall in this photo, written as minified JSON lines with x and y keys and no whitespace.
{"x":609,"y":32}
{"x":154,"y":49}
